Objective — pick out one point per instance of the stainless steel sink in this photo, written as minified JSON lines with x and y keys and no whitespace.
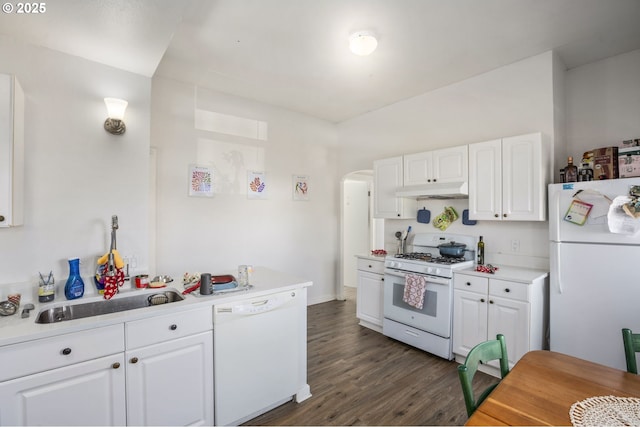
{"x":96,"y":308}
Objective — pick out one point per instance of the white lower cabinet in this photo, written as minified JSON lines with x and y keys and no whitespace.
{"x":82,"y":394}
{"x":162,"y":376}
{"x":369,"y":302}
{"x":71,"y":379}
{"x":179,"y":371}
{"x":170,"y":359}
{"x":485,"y":307}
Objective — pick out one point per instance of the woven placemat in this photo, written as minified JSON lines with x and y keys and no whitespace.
{"x":606,"y":411}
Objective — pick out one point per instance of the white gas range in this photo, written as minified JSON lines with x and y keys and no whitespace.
{"x":429,"y":326}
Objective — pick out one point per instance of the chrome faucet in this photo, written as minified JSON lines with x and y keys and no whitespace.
{"x":111,"y":265}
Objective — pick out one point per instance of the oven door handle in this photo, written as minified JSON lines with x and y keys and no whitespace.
{"x":429,"y":279}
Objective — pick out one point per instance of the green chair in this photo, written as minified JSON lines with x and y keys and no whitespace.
{"x":631,"y":346}
{"x":482,"y":353}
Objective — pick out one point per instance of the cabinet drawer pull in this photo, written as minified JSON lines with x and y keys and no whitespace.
{"x":66,"y":351}
{"x":134,"y":360}
{"x":116,"y":365}
{"x":173,"y":327}
{"x":507,"y":290}
{"x":1,"y":218}
{"x":370,"y":266}
{"x":468,"y":283}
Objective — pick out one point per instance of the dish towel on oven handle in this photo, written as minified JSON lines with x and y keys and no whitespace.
{"x":414,"y":289}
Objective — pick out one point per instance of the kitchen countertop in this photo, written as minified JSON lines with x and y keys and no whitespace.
{"x":14,"y":329}
{"x":372,"y":257}
{"x":514,"y":274}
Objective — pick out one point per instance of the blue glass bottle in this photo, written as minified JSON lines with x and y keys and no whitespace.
{"x":74,"y":288}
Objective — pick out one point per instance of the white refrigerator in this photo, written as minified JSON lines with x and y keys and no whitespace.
{"x":595,"y":273}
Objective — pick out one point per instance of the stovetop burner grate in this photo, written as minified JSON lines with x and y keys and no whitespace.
{"x":422,"y":256}
{"x":448,"y":260}
{"x":427,"y":257}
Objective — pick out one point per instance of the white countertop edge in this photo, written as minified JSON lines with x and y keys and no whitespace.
{"x":514,"y":274}
{"x":14,"y":329}
{"x":372,"y":257}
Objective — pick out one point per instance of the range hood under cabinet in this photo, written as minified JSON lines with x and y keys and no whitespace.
{"x":448,"y":190}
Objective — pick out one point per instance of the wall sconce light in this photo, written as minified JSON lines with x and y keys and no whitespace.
{"x":362,"y":43}
{"x":115,"y":110}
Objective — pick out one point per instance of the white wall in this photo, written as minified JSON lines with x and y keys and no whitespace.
{"x":512,"y":100}
{"x":222,"y":232}
{"x":76,"y":174}
{"x":603,"y":104}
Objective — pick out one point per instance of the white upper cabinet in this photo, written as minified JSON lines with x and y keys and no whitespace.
{"x":507,"y":179}
{"x":387,"y":178}
{"x":11,"y":151}
{"x":438,"y":166}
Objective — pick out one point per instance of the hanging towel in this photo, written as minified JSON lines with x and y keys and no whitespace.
{"x":414,"y":289}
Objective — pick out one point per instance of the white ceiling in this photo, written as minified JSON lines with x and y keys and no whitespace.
{"x":294,"y":53}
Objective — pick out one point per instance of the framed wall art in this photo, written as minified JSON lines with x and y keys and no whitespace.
{"x":300,"y":187}
{"x":200,"y":181}
{"x":257,"y":185}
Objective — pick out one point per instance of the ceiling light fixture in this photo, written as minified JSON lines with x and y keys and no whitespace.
{"x":115,"y":115}
{"x":362,"y":43}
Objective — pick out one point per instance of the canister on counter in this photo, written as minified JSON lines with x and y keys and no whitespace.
{"x":244,"y":274}
{"x":46,"y":288}
{"x":141,"y":280}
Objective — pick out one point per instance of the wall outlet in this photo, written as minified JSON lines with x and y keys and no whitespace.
{"x":515,"y":245}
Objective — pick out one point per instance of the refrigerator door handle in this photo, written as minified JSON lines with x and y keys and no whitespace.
{"x":556,"y":279}
{"x":559,"y":270}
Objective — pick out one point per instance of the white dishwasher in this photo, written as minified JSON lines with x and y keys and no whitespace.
{"x":256,"y":355}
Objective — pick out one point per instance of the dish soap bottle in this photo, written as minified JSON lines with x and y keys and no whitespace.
{"x":74,"y":288}
{"x":480,"y":252}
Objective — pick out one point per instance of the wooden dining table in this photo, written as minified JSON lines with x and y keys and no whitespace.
{"x":543,"y":385}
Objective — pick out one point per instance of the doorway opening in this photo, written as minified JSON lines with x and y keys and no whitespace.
{"x":359,"y":231}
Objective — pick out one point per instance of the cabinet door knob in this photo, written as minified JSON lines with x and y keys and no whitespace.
{"x":481,"y":299}
{"x":116,"y":365}
{"x":1,"y":218}
{"x":173,"y":327}
{"x":495,"y":215}
{"x":507,"y":290}
{"x":435,"y":180}
{"x":490,"y":301}
{"x":66,"y":351}
{"x":468,"y":283}
{"x":504,"y":215}
{"x":370,"y":266}
{"x":134,"y":360}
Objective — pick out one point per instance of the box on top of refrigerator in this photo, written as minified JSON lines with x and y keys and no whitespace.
{"x":629,"y":162}
{"x":605,"y":163}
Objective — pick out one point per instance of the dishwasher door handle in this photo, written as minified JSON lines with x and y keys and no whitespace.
{"x":257,"y":307}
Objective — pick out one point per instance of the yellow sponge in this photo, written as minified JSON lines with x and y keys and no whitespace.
{"x":117,"y":259}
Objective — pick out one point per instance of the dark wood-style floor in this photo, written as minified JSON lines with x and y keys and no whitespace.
{"x":360,"y":377}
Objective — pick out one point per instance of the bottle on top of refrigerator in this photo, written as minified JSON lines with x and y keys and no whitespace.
{"x":480,"y":252}
{"x":570,"y":171}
